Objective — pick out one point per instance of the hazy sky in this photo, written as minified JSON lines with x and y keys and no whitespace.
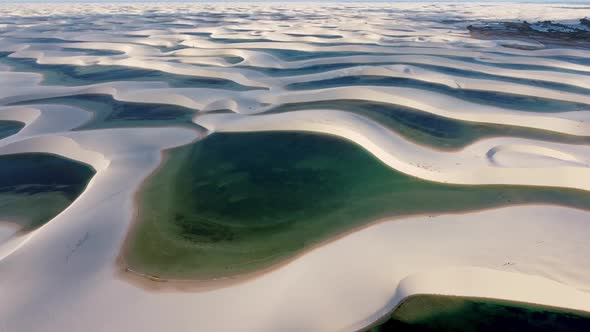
{"x":106,"y":1}
{"x":544,"y":1}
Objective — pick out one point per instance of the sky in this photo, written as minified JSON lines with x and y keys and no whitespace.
{"x":114,"y":1}
{"x":106,"y":1}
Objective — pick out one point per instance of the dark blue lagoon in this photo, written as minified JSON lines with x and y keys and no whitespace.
{"x":35,"y":187}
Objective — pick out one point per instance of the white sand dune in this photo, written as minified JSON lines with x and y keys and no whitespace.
{"x":527,"y":155}
{"x":43,"y":119}
{"x":8,"y":229}
{"x":572,"y":123}
{"x":352,"y":281}
{"x":64,"y":275}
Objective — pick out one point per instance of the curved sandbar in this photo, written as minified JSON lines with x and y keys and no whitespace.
{"x":433,"y":131}
{"x":468,"y":166}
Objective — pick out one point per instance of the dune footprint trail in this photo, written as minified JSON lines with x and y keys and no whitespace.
{"x":292,"y":166}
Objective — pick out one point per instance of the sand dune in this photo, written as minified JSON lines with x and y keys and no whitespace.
{"x":70,"y":264}
{"x":469,"y":166}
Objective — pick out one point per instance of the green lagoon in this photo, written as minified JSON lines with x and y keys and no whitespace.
{"x":437,"y":313}
{"x":236,"y":203}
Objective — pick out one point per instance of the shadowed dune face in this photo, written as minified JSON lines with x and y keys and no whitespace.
{"x":250,"y":149}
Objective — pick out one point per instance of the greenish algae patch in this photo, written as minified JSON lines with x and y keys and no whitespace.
{"x":35,"y":187}
{"x":236,"y":203}
{"x":430,"y":313}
